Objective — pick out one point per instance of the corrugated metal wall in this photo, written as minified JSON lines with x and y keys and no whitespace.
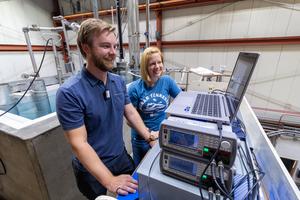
{"x":276,"y":79}
{"x":16,"y":14}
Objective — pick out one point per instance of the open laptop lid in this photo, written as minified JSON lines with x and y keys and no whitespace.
{"x":239,"y":81}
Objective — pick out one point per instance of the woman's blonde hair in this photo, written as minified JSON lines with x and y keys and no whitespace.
{"x":88,"y":29}
{"x":145,"y":60}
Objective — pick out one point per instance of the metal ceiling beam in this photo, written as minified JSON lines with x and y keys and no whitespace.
{"x":289,"y":40}
{"x":162,"y":5}
{"x":233,"y":42}
{"x":18,"y":47}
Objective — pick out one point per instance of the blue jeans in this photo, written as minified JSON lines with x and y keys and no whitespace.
{"x":139,"y":148}
{"x":90,"y":187}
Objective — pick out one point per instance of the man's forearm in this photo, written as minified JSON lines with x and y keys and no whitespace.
{"x":90,"y":160}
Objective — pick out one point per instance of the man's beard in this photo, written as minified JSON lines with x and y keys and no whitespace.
{"x":100,"y":64}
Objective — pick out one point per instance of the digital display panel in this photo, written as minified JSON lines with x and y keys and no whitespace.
{"x":183,"y":139}
{"x":183,"y":166}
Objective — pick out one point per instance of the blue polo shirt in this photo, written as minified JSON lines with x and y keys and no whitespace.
{"x":80,"y":101}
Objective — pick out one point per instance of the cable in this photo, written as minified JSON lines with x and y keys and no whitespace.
{"x":254,"y":185}
{"x":213,"y":172}
{"x":221,"y":174}
{"x":210,"y":193}
{"x":243,"y":179}
{"x":259,"y":170}
{"x":243,"y":153}
{"x":197,"y":20}
{"x":253,"y":171}
{"x":122,"y":19}
{"x":218,"y":91}
{"x":12,"y":107}
{"x":219,"y":124}
{"x":52,"y":34}
{"x":282,"y":5}
{"x":251,"y":165}
{"x":3,"y":166}
{"x":218,"y":195}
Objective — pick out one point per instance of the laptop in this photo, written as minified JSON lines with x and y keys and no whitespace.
{"x":217,"y":107}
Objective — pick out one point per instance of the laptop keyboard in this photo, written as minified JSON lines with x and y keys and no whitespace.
{"x":208,"y":105}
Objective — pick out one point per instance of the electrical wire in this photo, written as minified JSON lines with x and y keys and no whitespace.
{"x":259,"y":168}
{"x":247,"y":177}
{"x":122,"y":18}
{"x":254,"y":185}
{"x":248,"y":164}
{"x":35,"y":76}
{"x":210,"y":193}
{"x":218,"y":91}
{"x":241,"y":152}
{"x":213,"y":172}
{"x":253,"y":171}
{"x":221,"y":174}
{"x":197,"y":20}
{"x":219,"y":124}
{"x":241,"y":181}
{"x":52,"y":34}
{"x":218,"y":195}
{"x":4,"y":168}
{"x":282,"y":5}
{"x":251,"y":166}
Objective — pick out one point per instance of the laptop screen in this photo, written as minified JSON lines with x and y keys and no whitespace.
{"x":239,"y":80}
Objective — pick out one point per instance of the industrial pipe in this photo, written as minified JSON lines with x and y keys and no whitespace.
{"x":34,"y":65}
{"x":147,"y":22}
{"x":95,"y":9}
{"x":133,"y":34}
{"x":57,"y":63}
{"x":120,"y":30}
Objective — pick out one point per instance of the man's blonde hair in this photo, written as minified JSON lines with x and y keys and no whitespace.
{"x":88,"y":29}
{"x":145,"y":60}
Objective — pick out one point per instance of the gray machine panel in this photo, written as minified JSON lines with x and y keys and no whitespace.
{"x":155,"y":185}
{"x":277,"y":183}
{"x":189,"y":170}
{"x":198,"y":139}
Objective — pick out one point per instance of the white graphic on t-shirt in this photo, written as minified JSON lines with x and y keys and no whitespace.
{"x":153,"y":103}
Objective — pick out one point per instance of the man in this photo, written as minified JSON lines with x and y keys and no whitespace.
{"x":90,"y":107}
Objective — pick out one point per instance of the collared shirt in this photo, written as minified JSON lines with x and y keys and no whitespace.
{"x":81,"y":101}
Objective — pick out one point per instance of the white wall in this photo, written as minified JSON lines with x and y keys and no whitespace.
{"x":276,"y":77}
{"x":274,"y":82}
{"x":16,"y":14}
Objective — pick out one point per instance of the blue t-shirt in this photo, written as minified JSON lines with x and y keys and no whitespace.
{"x":151,"y":102}
{"x":81,"y":101}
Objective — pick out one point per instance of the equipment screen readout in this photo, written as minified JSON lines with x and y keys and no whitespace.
{"x":183,"y":166}
{"x":183,"y":139}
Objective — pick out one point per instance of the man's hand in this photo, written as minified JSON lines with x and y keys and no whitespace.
{"x":122,"y":184}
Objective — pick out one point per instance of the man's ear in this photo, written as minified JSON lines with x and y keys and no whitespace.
{"x":86,"y":48}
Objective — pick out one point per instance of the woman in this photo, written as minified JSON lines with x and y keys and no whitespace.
{"x":150,"y":96}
